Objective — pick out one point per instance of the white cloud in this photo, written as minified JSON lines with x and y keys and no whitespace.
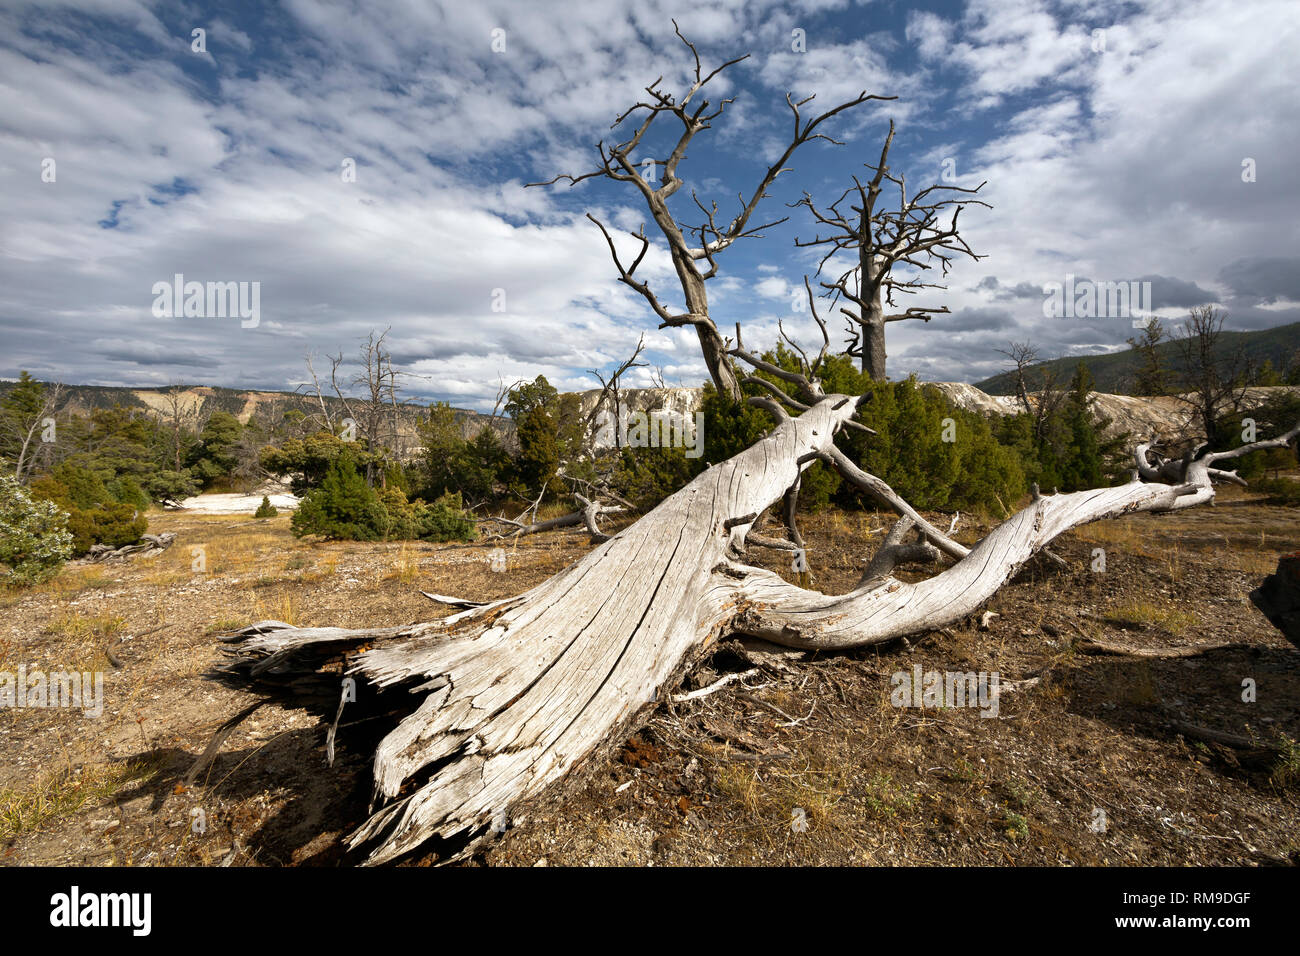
{"x":1114,"y":165}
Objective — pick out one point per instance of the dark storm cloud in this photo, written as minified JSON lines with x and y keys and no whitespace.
{"x":978,"y":319}
{"x":151,"y":354}
{"x":1021,"y":290}
{"x":1263,"y":281}
{"x":1170,"y":292}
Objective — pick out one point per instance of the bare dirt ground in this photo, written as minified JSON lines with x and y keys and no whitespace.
{"x":804,"y":762}
{"x":239,"y":504}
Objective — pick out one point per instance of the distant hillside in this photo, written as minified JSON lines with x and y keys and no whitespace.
{"x":1164,"y":415}
{"x":1115,"y":372}
{"x":198,"y":402}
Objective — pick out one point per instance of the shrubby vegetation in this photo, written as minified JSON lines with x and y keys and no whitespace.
{"x":99,"y":511}
{"x":213,"y":458}
{"x":1280,"y":491}
{"x":1274,"y":417}
{"x":171,"y":487}
{"x":532,"y":406}
{"x":343,"y":506}
{"x":34,"y":538}
{"x":306,"y":461}
{"x":104,"y":469}
{"x":934,"y":454}
{"x":453,"y":463}
{"x":1060,"y":444}
{"x":911,"y":452}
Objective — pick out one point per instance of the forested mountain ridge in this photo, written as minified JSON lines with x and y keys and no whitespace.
{"x":1116,"y":372}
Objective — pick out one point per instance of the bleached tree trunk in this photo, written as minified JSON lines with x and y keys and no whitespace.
{"x":873,"y":321}
{"x":518,"y":693}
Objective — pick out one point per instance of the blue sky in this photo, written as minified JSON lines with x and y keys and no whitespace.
{"x":1113,"y":155}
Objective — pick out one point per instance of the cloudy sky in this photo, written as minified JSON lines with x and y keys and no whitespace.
{"x":1112,"y":136}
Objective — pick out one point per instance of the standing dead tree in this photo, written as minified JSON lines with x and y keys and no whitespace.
{"x":176,"y":420}
{"x":326,"y":413}
{"x":1023,"y":356}
{"x":613,"y":387}
{"x":1213,"y":373}
{"x":24,"y":421}
{"x":376,"y":414}
{"x":1048,"y":395}
{"x":496,"y":706}
{"x":881,"y":237}
{"x":378,"y":409}
{"x":693,"y":248}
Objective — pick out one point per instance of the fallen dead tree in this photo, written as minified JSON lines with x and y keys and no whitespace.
{"x":149,"y":545}
{"x":517,"y":693}
{"x":590,"y":512}
{"x":497,"y":705}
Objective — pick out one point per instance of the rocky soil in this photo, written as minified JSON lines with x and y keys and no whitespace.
{"x":804,"y":760}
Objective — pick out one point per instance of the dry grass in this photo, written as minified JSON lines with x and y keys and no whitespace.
{"x":1285,"y":773}
{"x":84,"y":626}
{"x":873,"y":782}
{"x":72,"y":581}
{"x":65,"y":792}
{"x":779,"y":798}
{"x":406,"y":566}
{"x":285,"y":609}
{"x":1163,"y":615}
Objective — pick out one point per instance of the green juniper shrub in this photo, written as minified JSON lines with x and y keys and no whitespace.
{"x":265,"y":509}
{"x":446,"y":520}
{"x":22,"y":404}
{"x":403,"y":516}
{"x":306,"y":461}
{"x":931,"y":452}
{"x":538,"y":460}
{"x":534,"y":407}
{"x":648,"y":475}
{"x":95,"y":516}
{"x":912,"y":450}
{"x":342,"y":506}
{"x":213,"y":459}
{"x":729,"y":427}
{"x":112,"y":524}
{"x":1067,"y":450}
{"x":482,"y":466}
{"x":34,"y":538}
{"x":453,"y":463}
{"x":817,"y":486}
{"x":126,"y":490}
{"x":395,"y":475}
{"x":1276,"y":416}
{"x":171,"y":487}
